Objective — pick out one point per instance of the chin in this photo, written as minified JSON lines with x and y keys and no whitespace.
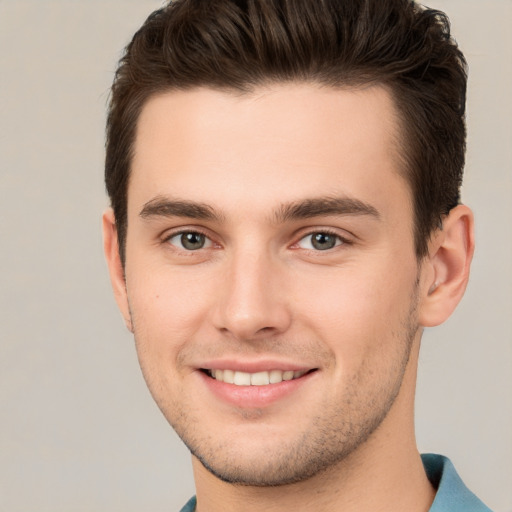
{"x":279,"y":463}
{"x":264,"y":474}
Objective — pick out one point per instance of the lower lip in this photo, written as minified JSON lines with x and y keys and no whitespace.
{"x":252,"y":397}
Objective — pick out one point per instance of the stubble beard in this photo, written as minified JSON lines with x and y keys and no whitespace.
{"x":329,"y":443}
{"x":331,"y":440}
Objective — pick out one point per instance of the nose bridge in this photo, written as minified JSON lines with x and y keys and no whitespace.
{"x":251,"y":303}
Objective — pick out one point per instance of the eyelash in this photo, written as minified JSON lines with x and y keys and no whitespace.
{"x":340,"y":240}
{"x":167,"y":239}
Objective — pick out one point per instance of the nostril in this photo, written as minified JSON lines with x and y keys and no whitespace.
{"x":266,"y":330}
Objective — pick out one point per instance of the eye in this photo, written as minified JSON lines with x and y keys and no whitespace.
{"x":190,"y":241}
{"x":320,"y":241}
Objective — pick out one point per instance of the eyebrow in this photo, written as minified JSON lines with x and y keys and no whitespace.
{"x":322,"y":206}
{"x":164,"y":207}
{"x":161,"y":206}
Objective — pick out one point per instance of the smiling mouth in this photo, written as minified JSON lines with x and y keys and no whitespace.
{"x":255,"y":379}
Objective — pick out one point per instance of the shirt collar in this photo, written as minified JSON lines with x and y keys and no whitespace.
{"x":452,"y":495}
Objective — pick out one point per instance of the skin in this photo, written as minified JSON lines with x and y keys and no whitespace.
{"x":258,"y":294}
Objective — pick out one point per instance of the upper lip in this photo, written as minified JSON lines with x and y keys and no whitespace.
{"x":253,"y":366}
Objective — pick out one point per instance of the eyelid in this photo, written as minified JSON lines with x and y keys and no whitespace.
{"x":345,"y":240}
{"x":303,"y":233}
{"x":168,"y":235}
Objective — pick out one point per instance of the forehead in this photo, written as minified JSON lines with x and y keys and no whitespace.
{"x":275,"y":143}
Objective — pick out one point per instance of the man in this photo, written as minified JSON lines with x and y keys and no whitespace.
{"x":284,"y":178}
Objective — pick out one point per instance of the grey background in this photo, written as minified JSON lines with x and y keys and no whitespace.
{"x":78,"y":429}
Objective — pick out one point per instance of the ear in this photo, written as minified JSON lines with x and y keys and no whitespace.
{"x":115,"y":267}
{"x":445,"y":271}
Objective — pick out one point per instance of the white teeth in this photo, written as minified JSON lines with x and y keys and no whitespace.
{"x":242,"y":379}
{"x":275,"y":376}
{"x":229,"y":376}
{"x":255,"y":379}
{"x":260,"y":379}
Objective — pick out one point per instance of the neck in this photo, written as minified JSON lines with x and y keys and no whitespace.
{"x":384,"y":474}
{"x":351,"y":487}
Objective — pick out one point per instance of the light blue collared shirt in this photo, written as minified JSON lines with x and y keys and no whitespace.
{"x":451,"y":496}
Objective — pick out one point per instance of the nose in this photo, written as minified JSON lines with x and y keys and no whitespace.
{"x":252,"y":302}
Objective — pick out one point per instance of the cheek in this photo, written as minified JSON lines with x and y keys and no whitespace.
{"x":357,"y":311}
{"x":167,"y":307}
{"x":166,"y":315}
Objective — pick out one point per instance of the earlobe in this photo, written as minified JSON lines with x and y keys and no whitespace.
{"x":115,"y":267}
{"x":446,"y":268}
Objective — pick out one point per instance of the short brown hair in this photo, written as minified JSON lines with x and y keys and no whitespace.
{"x":237,"y":45}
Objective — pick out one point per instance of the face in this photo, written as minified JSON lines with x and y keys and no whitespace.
{"x":271,"y":280}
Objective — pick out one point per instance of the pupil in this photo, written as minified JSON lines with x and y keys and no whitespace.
{"x":323,"y":241}
{"x":192,"y":241}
